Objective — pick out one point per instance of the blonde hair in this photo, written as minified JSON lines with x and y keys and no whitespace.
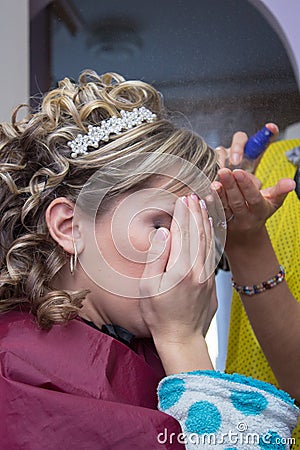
{"x":36,"y":167}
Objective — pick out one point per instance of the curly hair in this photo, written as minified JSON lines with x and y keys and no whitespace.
{"x":36,"y":167}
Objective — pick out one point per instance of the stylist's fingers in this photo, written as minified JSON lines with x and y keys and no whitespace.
{"x":217,"y":186}
{"x":274,"y":130}
{"x":156,"y":262}
{"x":277,"y":194}
{"x":236,"y":150}
{"x":266,"y":202}
{"x":235,"y":198}
{"x":250,"y":190}
{"x":255,"y":181}
{"x":239,"y":140}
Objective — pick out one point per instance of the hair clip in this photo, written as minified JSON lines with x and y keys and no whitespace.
{"x":113,"y":125}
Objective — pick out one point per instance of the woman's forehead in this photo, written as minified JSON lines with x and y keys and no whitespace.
{"x":157,"y":198}
{"x":159,"y":193}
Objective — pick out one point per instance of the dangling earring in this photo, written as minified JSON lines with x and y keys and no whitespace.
{"x":73,"y":261}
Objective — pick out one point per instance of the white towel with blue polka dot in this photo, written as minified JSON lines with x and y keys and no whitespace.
{"x":223,"y":411}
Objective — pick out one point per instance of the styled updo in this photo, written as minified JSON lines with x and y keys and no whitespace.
{"x":36,"y":167}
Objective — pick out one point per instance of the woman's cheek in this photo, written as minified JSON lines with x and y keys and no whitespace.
{"x":140,"y":238}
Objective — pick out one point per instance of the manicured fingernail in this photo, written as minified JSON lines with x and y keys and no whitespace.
{"x":161,"y":234}
{"x":194,"y":197}
{"x":203,"y":204}
{"x":292,"y":184}
{"x":235,"y":158}
{"x":185,"y":200}
{"x":211,"y":221}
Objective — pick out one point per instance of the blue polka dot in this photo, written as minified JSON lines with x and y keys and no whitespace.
{"x":249,"y":403}
{"x":248,"y":381}
{"x":272,"y":441}
{"x":203,"y":417}
{"x":170,"y":392}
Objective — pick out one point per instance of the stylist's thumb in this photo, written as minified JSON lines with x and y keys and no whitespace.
{"x":277,"y":194}
{"x":157,"y":258}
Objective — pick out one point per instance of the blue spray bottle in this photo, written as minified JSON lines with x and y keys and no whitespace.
{"x":254,"y":147}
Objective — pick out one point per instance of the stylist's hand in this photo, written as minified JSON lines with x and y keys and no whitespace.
{"x":235,"y":152}
{"x":246,"y":207}
{"x":178,"y":296}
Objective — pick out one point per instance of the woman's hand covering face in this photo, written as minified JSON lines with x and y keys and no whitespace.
{"x":178,"y":297}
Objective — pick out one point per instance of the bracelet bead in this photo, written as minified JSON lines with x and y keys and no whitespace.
{"x":261,"y":287}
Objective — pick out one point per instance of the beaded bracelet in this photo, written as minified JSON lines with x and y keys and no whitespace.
{"x":263,"y":286}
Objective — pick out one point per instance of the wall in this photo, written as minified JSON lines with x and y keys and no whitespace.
{"x":284,"y":16}
{"x":14,"y":51}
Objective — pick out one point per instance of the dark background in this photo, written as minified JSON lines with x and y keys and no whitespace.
{"x":219,"y":64}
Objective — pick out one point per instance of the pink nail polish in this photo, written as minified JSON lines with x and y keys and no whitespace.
{"x":194,"y":197}
{"x":203,"y":204}
{"x":185,"y":200}
{"x":211,"y":221}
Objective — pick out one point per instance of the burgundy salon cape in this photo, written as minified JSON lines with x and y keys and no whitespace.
{"x":77,"y":388}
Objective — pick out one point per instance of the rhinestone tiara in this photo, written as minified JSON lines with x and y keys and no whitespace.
{"x":113,"y":125}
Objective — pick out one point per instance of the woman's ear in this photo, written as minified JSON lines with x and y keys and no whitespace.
{"x":59,"y":219}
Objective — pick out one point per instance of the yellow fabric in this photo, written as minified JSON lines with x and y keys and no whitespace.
{"x":244,"y":353}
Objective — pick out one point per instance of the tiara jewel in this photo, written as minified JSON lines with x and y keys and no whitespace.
{"x":113,"y":125}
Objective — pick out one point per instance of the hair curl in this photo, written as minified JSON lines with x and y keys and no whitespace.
{"x":36,"y":167}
